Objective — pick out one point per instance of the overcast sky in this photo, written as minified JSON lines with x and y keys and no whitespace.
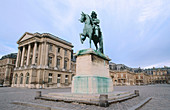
{"x":135,"y":32}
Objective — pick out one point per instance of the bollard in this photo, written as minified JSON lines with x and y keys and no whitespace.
{"x":137,"y":92}
{"x":38,"y":94}
{"x":103,"y":101}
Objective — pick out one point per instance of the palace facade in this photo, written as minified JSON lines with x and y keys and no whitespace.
{"x":43,"y":60}
{"x":7,"y":65}
{"x":159,"y":75}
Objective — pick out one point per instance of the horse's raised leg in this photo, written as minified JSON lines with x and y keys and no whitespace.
{"x":82,"y":38}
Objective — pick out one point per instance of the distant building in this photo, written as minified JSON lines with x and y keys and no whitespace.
{"x":43,"y":60}
{"x":124,"y":75}
{"x":142,"y":79}
{"x":7,"y":64}
{"x":159,"y":75}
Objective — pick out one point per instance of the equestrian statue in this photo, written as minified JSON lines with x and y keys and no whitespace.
{"x":92,"y":30}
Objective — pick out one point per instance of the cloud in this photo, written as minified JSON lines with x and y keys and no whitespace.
{"x":150,"y":10}
{"x":160,"y":64}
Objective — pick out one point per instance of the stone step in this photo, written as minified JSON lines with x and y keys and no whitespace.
{"x":39,"y":106}
{"x":87,"y":97}
{"x":139,"y":105}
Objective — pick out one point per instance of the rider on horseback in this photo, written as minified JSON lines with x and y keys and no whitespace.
{"x":91,"y":30}
{"x":95,"y":23}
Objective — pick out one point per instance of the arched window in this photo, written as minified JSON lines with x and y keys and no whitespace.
{"x":27,"y":78}
{"x":21,"y":78}
{"x":16,"y":77}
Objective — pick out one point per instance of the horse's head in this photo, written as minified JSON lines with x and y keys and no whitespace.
{"x":83,"y":17}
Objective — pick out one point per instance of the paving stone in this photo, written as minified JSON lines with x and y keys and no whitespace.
{"x":160,"y":98}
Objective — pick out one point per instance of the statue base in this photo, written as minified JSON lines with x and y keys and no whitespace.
{"x":92,"y":73}
{"x":92,"y":83}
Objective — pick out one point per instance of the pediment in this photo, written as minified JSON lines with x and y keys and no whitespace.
{"x":25,"y":37}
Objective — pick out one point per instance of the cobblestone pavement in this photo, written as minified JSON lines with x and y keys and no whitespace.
{"x":160,"y":98}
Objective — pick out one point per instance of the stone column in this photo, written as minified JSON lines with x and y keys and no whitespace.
{"x":34,"y":53}
{"x":39,"y":54}
{"x":62,"y":60}
{"x":28,"y":54}
{"x":55,"y":57}
{"x":69,"y":61}
{"x":18,"y":57}
{"x":22,"y":58}
{"x":42,"y":54}
{"x":46,"y":56}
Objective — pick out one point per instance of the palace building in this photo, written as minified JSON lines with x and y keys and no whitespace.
{"x":159,"y":75}
{"x":7,"y":65}
{"x":43,"y":60}
{"x":124,"y":75}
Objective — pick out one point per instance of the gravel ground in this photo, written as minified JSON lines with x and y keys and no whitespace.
{"x":160,"y":98}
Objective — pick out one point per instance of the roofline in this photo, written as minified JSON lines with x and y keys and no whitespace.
{"x":56,"y":38}
{"x":23,"y":36}
{"x":47,"y":35}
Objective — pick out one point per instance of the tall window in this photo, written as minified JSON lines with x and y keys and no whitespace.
{"x":58,"y":63}
{"x":66,"y":79}
{"x":50,"y":47}
{"x":30,"y":59}
{"x":50,"y":77}
{"x":59,"y":50}
{"x":65,"y":64}
{"x":13,"y":61}
{"x":50,"y":61}
{"x":65,"y":52}
{"x":25,"y":60}
{"x":21,"y":78}
{"x":37,"y":47}
{"x":36,"y":59}
{"x":58,"y":78}
{"x":27,"y":78}
{"x":16,"y":78}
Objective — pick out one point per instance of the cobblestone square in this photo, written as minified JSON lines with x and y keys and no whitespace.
{"x":160,"y":98}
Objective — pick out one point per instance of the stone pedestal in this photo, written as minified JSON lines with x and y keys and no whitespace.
{"x":6,"y":83}
{"x":92,"y":73}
